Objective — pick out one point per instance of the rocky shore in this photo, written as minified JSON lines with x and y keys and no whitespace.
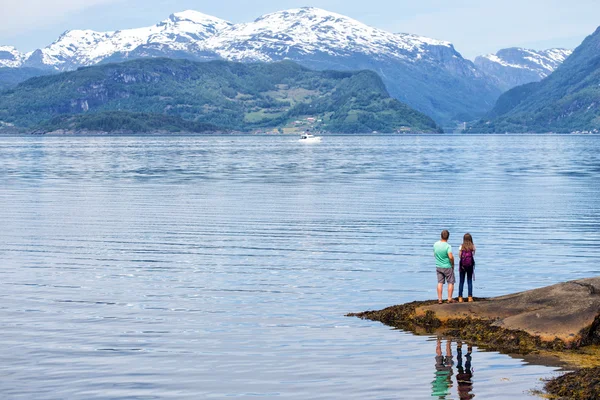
{"x":560,"y":322}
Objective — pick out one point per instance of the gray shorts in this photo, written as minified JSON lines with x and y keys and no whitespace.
{"x":445,"y":274}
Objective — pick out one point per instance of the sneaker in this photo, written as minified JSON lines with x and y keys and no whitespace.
{"x":460,"y":299}
{"x":471,"y":299}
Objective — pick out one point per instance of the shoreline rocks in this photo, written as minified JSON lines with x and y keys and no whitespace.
{"x":561,"y":320}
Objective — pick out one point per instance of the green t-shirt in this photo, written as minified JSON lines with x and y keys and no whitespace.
{"x":441,"y":250}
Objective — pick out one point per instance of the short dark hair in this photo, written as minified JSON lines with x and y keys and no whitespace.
{"x":445,"y":234}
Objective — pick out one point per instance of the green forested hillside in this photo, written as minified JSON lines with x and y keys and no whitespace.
{"x":227,"y":95}
{"x":566,"y":101}
{"x":11,"y":77}
{"x":124,"y":121}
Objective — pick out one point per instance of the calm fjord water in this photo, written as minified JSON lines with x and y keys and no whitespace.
{"x":209,"y":267}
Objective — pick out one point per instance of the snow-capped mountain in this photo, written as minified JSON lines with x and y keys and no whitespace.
{"x":307,"y":31}
{"x":425,"y":73}
{"x":516,"y":66}
{"x":564,"y":102}
{"x":182,"y":32}
{"x":11,"y":57}
{"x":414,"y":68}
{"x":272,"y":37}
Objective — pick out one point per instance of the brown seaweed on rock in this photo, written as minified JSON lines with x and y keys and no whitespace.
{"x":478,"y":331}
{"x":579,"y":385}
{"x":403,"y":316}
{"x":561,"y":321}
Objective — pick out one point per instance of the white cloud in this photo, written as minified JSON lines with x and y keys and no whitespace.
{"x":20,"y":16}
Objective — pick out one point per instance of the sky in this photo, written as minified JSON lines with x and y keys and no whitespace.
{"x":475,"y":27}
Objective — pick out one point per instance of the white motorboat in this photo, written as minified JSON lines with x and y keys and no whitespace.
{"x":308,"y":138}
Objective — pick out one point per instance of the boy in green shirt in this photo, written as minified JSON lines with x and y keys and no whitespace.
{"x":444,"y":262}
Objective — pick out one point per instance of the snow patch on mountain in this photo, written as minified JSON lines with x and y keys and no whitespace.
{"x":517,"y":66}
{"x":73,"y":48}
{"x":274,"y":36}
{"x":11,"y":57}
{"x":542,"y":62}
{"x":312,"y":30}
{"x":180,"y":32}
{"x":421,"y":41}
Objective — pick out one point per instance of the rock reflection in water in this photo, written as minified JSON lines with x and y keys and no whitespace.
{"x":442,"y":384}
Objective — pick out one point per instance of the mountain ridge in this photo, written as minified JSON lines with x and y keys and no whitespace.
{"x":517,"y":66}
{"x":227,"y":95}
{"x":568,"y":100}
{"x":427,"y":74}
{"x":196,"y":26}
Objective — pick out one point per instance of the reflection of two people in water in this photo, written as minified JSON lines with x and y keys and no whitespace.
{"x":443,"y":372}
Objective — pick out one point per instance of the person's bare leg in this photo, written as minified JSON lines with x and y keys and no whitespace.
{"x":450,"y":290}
{"x":440,"y":287}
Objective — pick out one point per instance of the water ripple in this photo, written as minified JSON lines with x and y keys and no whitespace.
{"x":212,"y":267}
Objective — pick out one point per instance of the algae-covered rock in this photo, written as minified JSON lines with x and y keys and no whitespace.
{"x":562,"y":315}
{"x":568,"y":312}
{"x":579,"y":385}
{"x":557,"y":320}
{"x":404,"y":317}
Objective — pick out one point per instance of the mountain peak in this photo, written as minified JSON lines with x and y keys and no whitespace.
{"x":8,"y":48}
{"x":310,"y":30}
{"x":196,"y":17}
{"x":423,"y":40}
{"x":10,"y":57}
{"x":516,"y":66}
{"x":274,"y":36}
{"x":545,"y":61}
{"x":305,"y":11}
{"x":311,"y":15}
{"x":180,"y":32}
{"x":565,"y":101}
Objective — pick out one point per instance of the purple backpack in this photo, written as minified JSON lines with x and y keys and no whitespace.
{"x":466,"y":259}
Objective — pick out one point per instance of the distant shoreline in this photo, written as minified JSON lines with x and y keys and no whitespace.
{"x":86,"y":133}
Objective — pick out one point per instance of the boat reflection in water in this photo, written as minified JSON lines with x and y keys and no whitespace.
{"x":442,"y":384}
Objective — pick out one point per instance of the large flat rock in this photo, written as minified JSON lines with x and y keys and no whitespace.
{"x":560,"y":311}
